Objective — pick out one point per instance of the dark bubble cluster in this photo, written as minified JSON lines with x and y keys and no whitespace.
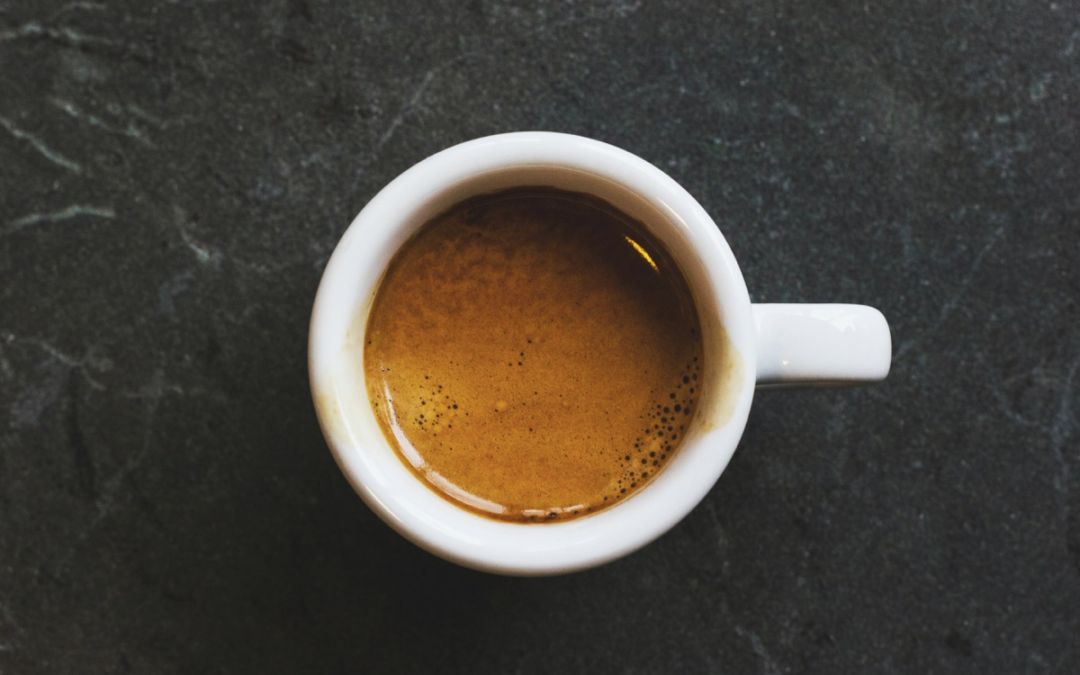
{"x":557,"y":514}
{"x":516,"y":359}
{"x":519,"y":358}
{"x":436,"y":410}
{"x":664,"y":425}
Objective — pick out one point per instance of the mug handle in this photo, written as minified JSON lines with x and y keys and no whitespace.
{"x":807,"y":345}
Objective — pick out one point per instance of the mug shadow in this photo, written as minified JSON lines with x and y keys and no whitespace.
{"x":287,"y":570}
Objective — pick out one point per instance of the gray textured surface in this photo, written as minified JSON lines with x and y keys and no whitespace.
{"x":173,"y":176}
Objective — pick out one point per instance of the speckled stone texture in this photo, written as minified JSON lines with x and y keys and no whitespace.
{"x":174,"y":175}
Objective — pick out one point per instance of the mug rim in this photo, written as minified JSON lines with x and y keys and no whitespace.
{"x":395,"y":493}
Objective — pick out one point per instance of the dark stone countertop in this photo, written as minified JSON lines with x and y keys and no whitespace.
{"x":174,"y":175}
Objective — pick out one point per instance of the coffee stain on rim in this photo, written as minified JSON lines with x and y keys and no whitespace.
{"x":728,"y":382}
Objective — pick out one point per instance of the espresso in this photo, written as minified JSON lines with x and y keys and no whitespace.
{"x":533,"y":355}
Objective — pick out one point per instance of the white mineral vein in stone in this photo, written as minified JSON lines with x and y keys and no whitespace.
{"x":73,"y":211}
{"x":131,"y":131}
{"x":40,"y":145}
{"x":1061,"y":430}
{"x":954,"y":300}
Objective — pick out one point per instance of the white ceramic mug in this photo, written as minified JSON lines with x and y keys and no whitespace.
{"x":761,"y":345}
